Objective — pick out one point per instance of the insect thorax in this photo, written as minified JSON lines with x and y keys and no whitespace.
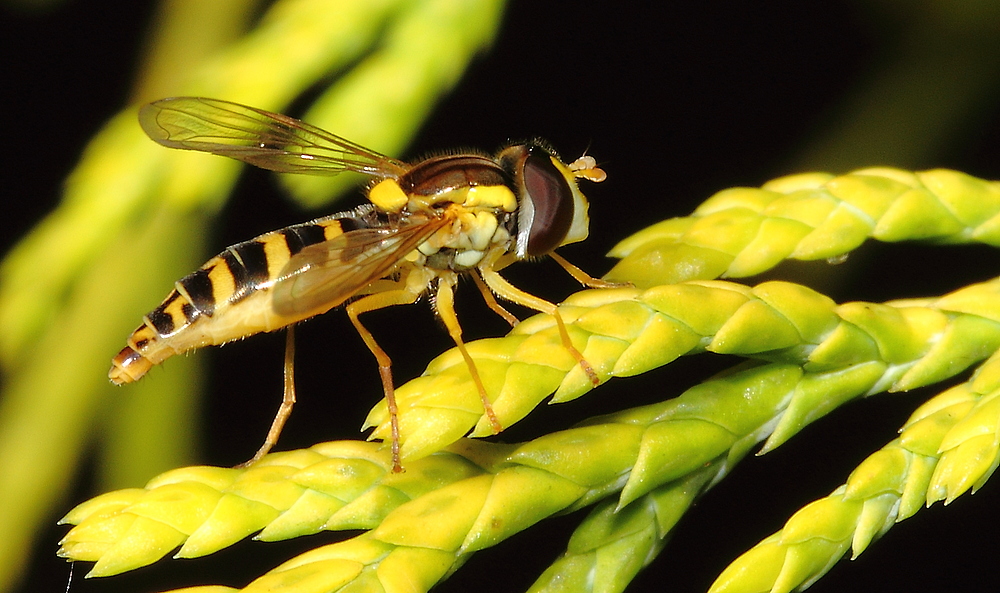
{"x":472,"y":191}
{"x":482,"y":222}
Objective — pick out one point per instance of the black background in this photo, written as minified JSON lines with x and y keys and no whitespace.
{"x":676,"y":100}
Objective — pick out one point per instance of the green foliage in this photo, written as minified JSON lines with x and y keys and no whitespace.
{"x":640,"y":469}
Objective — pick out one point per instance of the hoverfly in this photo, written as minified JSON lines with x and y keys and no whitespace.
{"x":426,"y":224}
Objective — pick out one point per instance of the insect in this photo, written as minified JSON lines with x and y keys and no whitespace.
{"x":427,"y":223}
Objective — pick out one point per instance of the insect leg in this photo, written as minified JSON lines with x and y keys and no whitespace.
{"x":506,"y":290}
{"x":492,"y":303}
{"x":287,"y":400}
{"x":583,"y":277}
{"x":380,"y":300}
{"x":444,"y":304}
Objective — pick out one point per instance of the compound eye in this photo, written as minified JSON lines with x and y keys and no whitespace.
{"x":551,"y":204}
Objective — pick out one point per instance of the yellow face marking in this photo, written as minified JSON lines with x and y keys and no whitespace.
{"x":584,"y":167}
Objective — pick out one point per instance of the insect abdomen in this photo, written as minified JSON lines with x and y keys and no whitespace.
{"x":226,"y":299}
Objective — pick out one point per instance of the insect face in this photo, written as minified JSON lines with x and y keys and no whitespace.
{"x":552,"y":210}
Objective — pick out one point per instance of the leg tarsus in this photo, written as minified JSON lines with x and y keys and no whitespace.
{"x":583,"y":277}
{"x":568,"y":344}
{"x":444,"y":304}
{"x":506,"y":290}
{"x":385,"y":373}
{"x":372,"y":302}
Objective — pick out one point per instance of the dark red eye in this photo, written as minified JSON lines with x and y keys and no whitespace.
{"x":547,"y":204}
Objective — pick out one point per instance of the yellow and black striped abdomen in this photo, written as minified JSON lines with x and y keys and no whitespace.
{"x":227,"y":298}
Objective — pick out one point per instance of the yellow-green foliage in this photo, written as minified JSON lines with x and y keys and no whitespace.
{"x":636,"y":472}
{"x":640,"y":469}
{"x":89,"y":271}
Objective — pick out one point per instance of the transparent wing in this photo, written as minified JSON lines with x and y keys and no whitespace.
{"x":267,"y":140}
{"x":324,"y":275}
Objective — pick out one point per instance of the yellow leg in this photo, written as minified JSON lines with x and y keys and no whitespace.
{"x":444,"y":303}
{"x":372,"y":302}
{"x":287,"y":401}
{"x":583,"y":277}
{"x":492,"y":303}
{"x":506,"y":290}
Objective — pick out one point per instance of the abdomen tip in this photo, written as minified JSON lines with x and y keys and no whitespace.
{"x":128,"y":366}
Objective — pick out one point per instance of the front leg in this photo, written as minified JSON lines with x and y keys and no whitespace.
{"x":504,"y":289}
